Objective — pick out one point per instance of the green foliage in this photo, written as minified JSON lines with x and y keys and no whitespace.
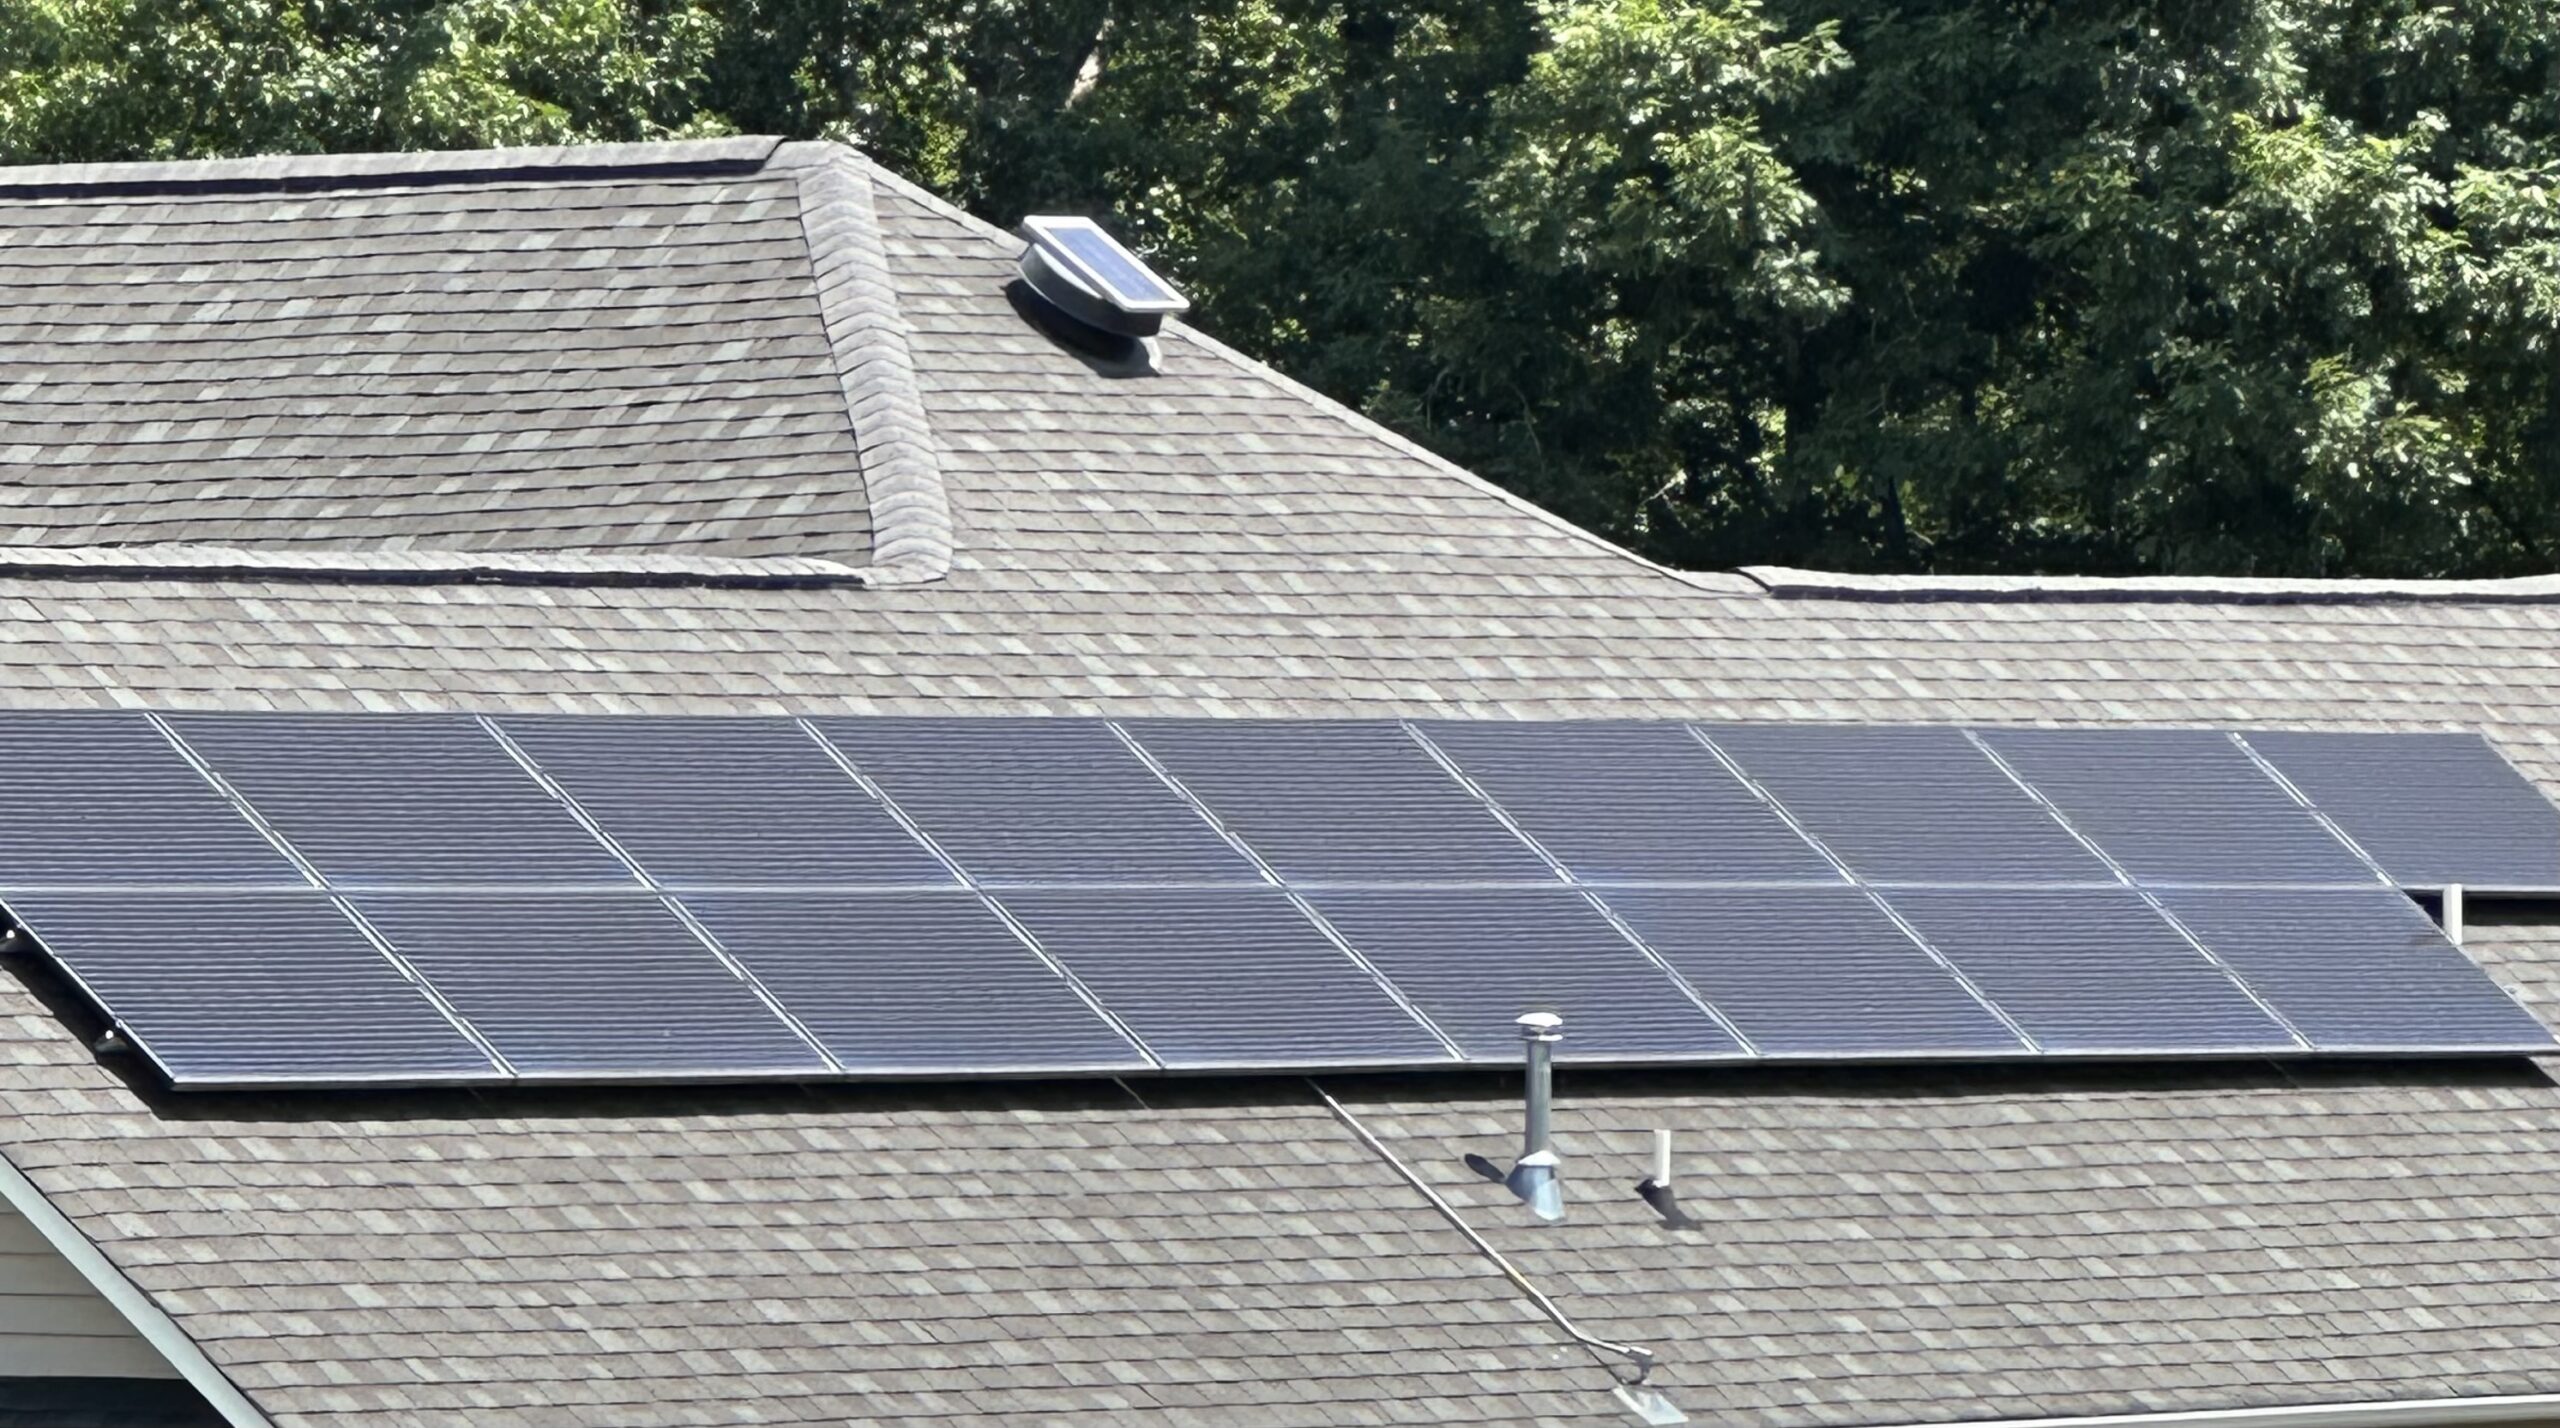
{"x":2263,"y":287}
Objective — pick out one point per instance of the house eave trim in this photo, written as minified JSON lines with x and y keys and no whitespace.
{"x":146,"y":1317}
{"x":2406,"y":1413}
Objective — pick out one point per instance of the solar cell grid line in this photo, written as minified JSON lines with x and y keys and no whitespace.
{"x":2173,"y":806}
{"x":400,"y":800}
{"x":1339,"y":801}
{"x":104,"y":797}
{"x":2431,"y":808}
{"x":1815,"y":972}
{"x":899,"y":981}
{"x":2359,"y":970}
{"x":722,"y":802}
{"x":237,"y":987}
{"x":1475,"y":959}
{"x":1624,"y":801}
{"x":589,"y":984}
{"x":2093,"y":971}
{"x":1039,"y":800}
{"x":1224,"y":978}
{"x":1909,"y":803}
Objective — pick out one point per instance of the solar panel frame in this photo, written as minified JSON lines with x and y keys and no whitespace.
{"x":1744,"y":949}
{"x":102,"y":797}
{"x":346,"y":792}
{"x":624,"y":954}
{"x":1354,"y":802}
{"x":1153,"y":954}
{"x":302,"y":994}
{"x":2179,"y":806}
{"x":2341,"y":965}
{"x":1447,"y":950}
{"x":1039,"y":801}
{"x":1103,"y":263}
{"x":725,"y":802}
{"x":2433,"y":809}
{"x":885,"y":980}
{"x":1910,"y":804}
{"x":1629,"y":802}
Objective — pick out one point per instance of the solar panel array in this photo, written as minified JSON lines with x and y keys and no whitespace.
{"x":280,"y":899}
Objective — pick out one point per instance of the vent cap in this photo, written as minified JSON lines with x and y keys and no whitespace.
{"x":1083,"y":272}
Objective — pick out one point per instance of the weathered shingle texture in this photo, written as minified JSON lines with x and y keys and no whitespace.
{"x":1871,"y":1248}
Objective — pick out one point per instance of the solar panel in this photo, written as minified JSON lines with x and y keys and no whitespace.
{"x":2090,"y":970}
{"x":1039,"y":801}
{"x":912,"y":982}
{"x":1212,"y":977}
{"x":2178,"y":806}
{"x":1629,"y":802}
{"x":1909,"y":804}
{"x":246,"y":986}
{"x":1097,"y":258}
{"x":1812,"y":971}
{"x":1474,"y":959}
{"x":707,"y":802}
{"x":100,"y":797}
{"x":399,"y":800}
{"x":2356,"y":970}
{"x":1340,"y":802}
{"x":588,"y":983}
{"x":2432,"y":809}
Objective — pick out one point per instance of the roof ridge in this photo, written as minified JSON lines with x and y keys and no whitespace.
{"x":177,"y":560}
{"x":911,"y":528}
{"x":322,"y":171}
{"x":1788,"y":582}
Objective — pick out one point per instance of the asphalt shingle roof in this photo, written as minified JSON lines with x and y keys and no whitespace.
{"x":1872,"y":1248}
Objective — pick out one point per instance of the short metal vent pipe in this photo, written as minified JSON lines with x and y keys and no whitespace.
{"x":1534,"y":1177}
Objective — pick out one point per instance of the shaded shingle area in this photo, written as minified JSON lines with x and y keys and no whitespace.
{"x":536,"y":356}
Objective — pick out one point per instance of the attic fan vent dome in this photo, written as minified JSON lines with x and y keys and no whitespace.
{"x":1083,"y":273}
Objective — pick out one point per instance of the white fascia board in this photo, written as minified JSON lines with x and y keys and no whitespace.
{"x":147,"y":1318}
{"x":2407,"y":1413}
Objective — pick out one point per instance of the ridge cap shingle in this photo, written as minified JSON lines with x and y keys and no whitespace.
{"x":324,"y":171}
{"x":1787,"y":582}
{"x":192,"y":561}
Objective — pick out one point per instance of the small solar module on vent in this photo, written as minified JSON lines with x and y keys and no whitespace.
{"x":2091,"y":971}
{"x":1812,"y":972}
{"x":1340,"y":802}
{"x":235,"y":987}
{"x":919,"y":982}
{"x":1215,"y":977}
{"x":1100,"y":262}
{"x":2432,"y":809}
{"x":2357,"y":970}
{"x":1629,"y":802}
{"x":1039,"y":801}
{"x":1475,"y":959}
{"x":102,"y":798}
{"x":588,"y":983}
{"x":726,"y":802}
{"x":2179,"y":806}
{"x":1909,"y":804}
{"x":400,"y":800}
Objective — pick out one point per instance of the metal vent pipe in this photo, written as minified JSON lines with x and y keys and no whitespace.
{"x":1534,"y":1176}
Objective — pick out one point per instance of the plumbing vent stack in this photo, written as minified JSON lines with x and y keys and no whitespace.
{"x":1533,"y":1178}
{"x":2453,"y":913}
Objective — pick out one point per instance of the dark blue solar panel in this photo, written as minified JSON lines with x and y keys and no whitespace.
{"x":2357,"y":971}
{"x":912,"y":981}
{"x":240,"y":987}
{"x":101,"y":797}
{"x":726,"y":801}
{"x":1475,"y":959}
{"x":2091,"y":970}
{"x":1812,"y":971}
{"x":1039,"y":801}
{"x":1121,"y":274}
{"x":2432,"y":809}
{"x":594,"y":983}
{"x":1909,"y":804}
{"x":1629,"y":802}
{"x":399,"y":800}
{"x":2178,"y":806}
{"x":1340,"y":802}
{"x":1223,"y":977}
